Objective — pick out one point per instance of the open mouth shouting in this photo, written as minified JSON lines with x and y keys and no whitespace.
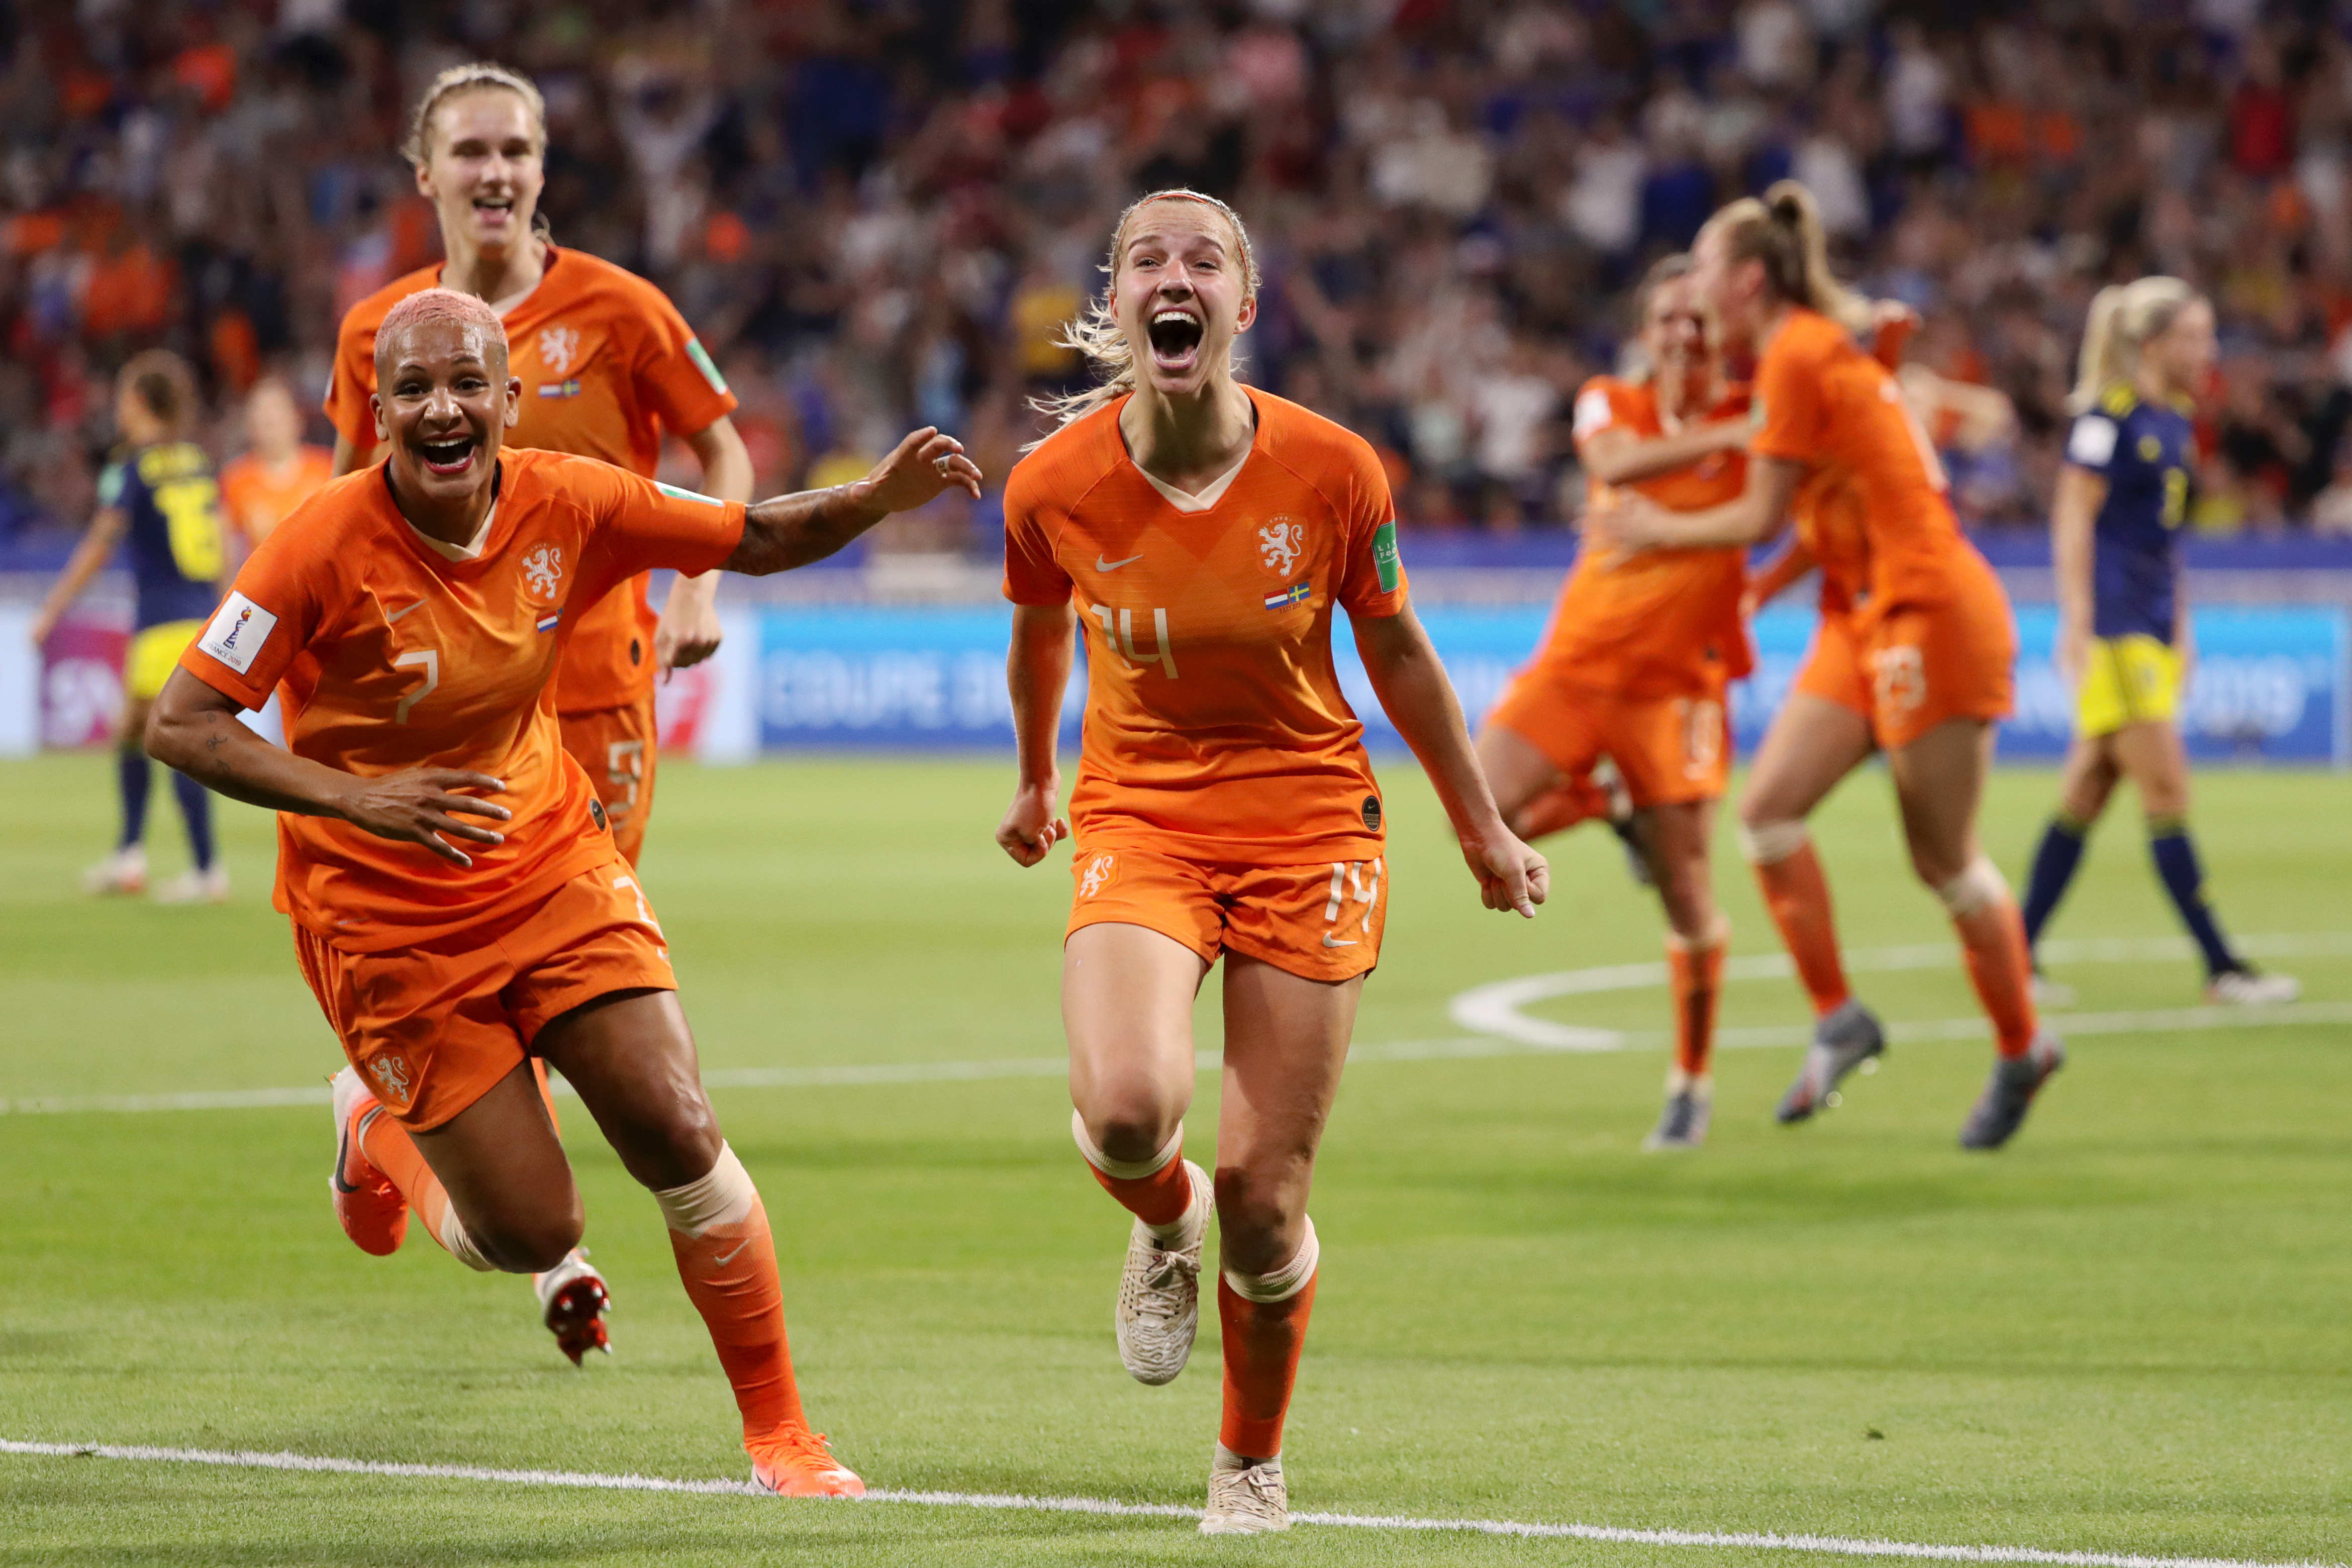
{"x":494,"y":213}
{"x":1175,"y":332}
{"x":447,"y":458}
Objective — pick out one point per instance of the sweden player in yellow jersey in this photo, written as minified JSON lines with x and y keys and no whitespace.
{"x":158,"y":497}
{"x":2124,"y":640}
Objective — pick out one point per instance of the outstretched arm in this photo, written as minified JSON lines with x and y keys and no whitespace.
{"x":795,"y":529}
{"x":195,"y":729}
{"x":1637,"y":523}
{"x":1037,"y":672}
{"x":1616,"y":457}
{"x":688,"y":632}
{"x":1413,"y":689}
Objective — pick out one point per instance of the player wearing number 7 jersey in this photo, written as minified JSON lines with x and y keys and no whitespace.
{"x":460,"y":907}
{"x":1199,"y":537}
{"x":1933,"y":641}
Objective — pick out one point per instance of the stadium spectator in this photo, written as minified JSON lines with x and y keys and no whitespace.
{"x":885,"y":206}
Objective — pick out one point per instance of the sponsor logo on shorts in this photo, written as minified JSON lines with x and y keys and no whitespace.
{"x":391,"y":1073}
{"x":237,"y":632}
{"x":1096,"y":876}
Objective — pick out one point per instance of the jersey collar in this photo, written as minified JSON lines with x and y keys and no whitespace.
{"x":473,"y":549}
{"x":1206,"y":498}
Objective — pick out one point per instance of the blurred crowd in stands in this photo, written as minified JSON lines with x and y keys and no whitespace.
{"x":877,"y":213}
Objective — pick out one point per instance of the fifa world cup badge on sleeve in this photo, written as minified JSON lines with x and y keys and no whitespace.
{"x":239,"y":629}
{"x":1384,"y":555}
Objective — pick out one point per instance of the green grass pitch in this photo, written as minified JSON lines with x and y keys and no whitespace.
{"x":2125,"y":1334}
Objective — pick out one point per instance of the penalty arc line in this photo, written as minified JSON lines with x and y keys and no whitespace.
{"x":1833,"y":1545}
{"x":1491,"y":1011}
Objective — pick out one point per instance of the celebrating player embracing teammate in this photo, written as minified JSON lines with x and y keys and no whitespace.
{"x":460,"y":907}
{"x":1200,"y":536}
{"x":1925,"y":675}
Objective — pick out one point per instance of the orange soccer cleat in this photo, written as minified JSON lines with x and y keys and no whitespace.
{"x":573,"y":1301}
{"x":372,"y":1211}
{"x":792,"y":1461}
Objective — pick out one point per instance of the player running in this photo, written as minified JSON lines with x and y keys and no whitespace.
{"x":158,"y":496}
{"x":608,"y":366}
{"x":459,"y":906}
{"x":2124,"y":639}
{"x":1634,"y":666}
{"x":1921,"y":668}
{"x":1202,"y":535}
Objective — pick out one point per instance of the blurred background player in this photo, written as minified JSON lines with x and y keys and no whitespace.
{"x":2124,"y":639}
{"x":414,"y":617}
{"x":158,"y":494}
{"x":1640,"y":655}
{"x":608,"y":366}
{"x":1201,"y":536}
{"x":277,"y":470}
{"x":1932,"y":647}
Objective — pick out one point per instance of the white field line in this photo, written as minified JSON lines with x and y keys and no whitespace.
{"x":1493,"y":1011}
{"x":1838,"y":1545}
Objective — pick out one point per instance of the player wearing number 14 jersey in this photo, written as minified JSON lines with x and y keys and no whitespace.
{"x":1201,"y":537}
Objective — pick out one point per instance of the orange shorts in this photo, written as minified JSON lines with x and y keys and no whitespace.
{"x":1318,"y":921}
{"x":1917,"y":666}
{"x":1670,"y":749}
{"x":617,"y":746}
{"x":432,"y":1027}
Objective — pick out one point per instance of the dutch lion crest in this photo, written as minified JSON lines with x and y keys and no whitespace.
{"x":542,"y":571}
{"x":1280,"y":543}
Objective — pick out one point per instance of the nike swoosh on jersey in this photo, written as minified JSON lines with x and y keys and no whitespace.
{"x":1330,"y":940}
{"x":1103,"y":565}
{"x":392,"y":616}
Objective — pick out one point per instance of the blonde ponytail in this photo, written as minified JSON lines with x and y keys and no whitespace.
{"x":1095,"y":334}
{"x":2123,"y":317}
{"x":1784,"y":232}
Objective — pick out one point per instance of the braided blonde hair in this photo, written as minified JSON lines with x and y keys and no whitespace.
{"x":418,"y":147}
{"x":1095,"y":334}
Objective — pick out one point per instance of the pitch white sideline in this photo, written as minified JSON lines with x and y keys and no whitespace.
{"x":1836,"y":1545}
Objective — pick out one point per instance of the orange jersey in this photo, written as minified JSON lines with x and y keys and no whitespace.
{"x":608,"y":365}
{"x":393,"y":656}
{"x":257,"y":501}
{"x":1825,"y":403}
{"x":1654,"y":622}
{"x":1215,"y":725}
{"x":1832,"y":525}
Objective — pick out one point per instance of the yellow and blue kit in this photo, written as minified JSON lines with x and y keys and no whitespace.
{"x":2143,"y":450}
{"x":172,"y":500}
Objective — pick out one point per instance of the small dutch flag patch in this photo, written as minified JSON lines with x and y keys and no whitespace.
{"x":1296,"y":593}
{"x":547,"y":622}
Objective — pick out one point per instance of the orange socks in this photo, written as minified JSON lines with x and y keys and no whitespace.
{"x":1158,"y":1191}
{"x":727,"y":1257}
{"x":1264,"y":1317}
{"x":1798,"y":894}
{"x":1697,"y":975}
{"x":1992,"y":939}
{"x":385,"y":1144}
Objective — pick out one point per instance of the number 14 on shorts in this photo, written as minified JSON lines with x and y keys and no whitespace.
{"x":1355,"y":887}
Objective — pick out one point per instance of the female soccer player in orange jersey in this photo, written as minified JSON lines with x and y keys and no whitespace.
{"x":1201,"y":536}
{"x":1922,"y":667}
{"x":608,"y":367}
{"x":460,"y":907}
{"x":1640,"y":654}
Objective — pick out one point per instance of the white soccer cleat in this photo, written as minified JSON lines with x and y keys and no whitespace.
{"x":124,"y":871}
{"x":573,"y":1301}
{"x":2252,"y":988}
{"x":193,"y":887}
{"x":1245,"y":1499}
{"x":1159,"y":1294}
